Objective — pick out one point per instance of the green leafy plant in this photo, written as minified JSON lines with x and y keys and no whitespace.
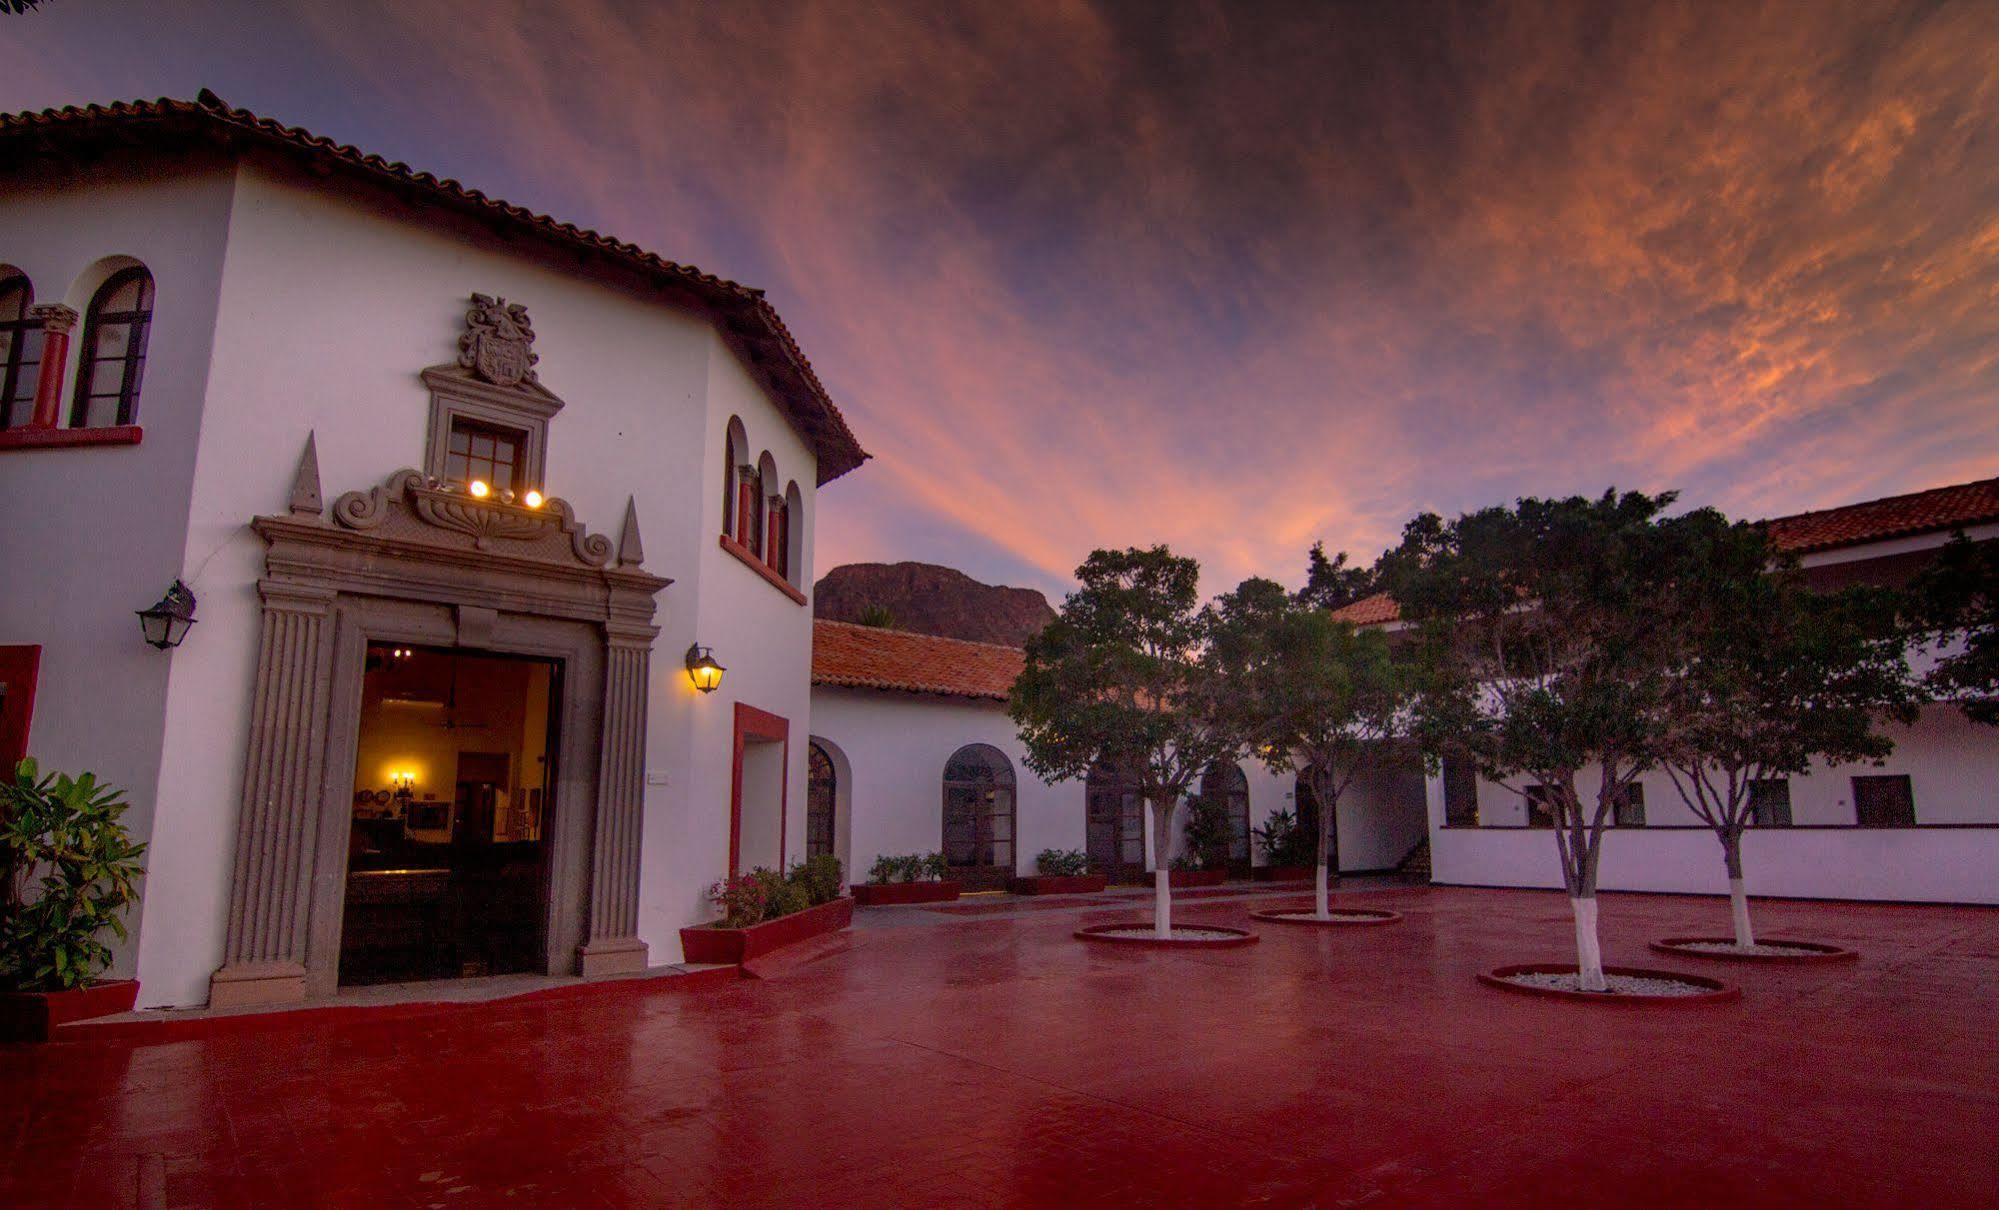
{"x":1283,"y":842}
{"x":1187,"y":861}
{"x":1062,"y":863}
{"x":68,"y":872}
{"x":760,"y":895}
{"x":819,"y":877}
{"x":908,"y":867}
{"x":935,"y":868}
{"x":1207,"y":834}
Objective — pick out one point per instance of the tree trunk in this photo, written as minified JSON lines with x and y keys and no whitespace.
{"x":1589,"y":950}
{"x":1322,"y":901}
{"x":1738,"y":895}
{"x":1162,"y":863}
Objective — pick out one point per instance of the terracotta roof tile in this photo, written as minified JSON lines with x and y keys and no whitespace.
{"x":742,"y":310}
{"x":1926,"y":512}
{"x":868,"y":657}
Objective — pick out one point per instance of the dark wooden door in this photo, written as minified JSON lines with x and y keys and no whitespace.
{"x":1116,"y":832}
{"x":978,"y":817}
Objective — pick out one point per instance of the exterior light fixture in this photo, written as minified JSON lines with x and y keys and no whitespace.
{"x":479,"y":489}
{"x":532,"y":499}
{"x":703,"y":670}
{"x":166,"y":623}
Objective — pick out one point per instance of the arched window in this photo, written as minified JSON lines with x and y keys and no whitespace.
{"x":20,"y":349}
{"x":1226,"y":784}
{"x":114,"y":351}
{"x":735,"y":455}
{"x":978,"y":815}
{"x":784,"y":556}
{"x":1114,"y":825}
{"x":820,"y":785}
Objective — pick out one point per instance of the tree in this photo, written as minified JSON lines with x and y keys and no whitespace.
{"x":1776,"y":677}
{"x":1546,"y":638}
{"x":1331,"y":584}
{"x":1955,"y":604}
{"x":1123,"y":675}
{"x":1315,"y":695}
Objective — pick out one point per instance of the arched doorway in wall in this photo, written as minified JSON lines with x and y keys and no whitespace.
{"x":1308,"y":823}
{"x":978,"y":817}
{"x":1114,"y":820}
{"x":821,"y":791}
{"x":1227,"y":784}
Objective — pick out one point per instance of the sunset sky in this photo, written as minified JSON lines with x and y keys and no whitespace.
{"x":1231,"y":276}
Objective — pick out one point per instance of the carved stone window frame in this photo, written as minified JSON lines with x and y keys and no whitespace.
{"x":525,"y":408}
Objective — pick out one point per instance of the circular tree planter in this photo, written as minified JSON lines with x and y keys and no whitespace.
{"x":1185,"y":936}
{"x":1782,"y":951}
{"x":1338,"y":917}
{"x":1693,"y":989}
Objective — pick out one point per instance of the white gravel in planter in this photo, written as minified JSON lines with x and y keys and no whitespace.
{"x":1146,"y":933}
{"x":1773,"y":949}
{"x":1339,"y":916}
{"x":1620,"y":985}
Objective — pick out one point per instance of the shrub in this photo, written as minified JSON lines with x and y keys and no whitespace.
{"x":1283,"y":842}
{"x":935,"y":868}
{"x":760,"y":895}
{"x":820,"y":877}
{"x":908,"y":867}
{"x":1208,"y":832}
{"x":1186,"y":861}
{"x":68,"y":871}
{"x":1062,"y":863}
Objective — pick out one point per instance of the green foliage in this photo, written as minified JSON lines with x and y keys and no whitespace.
{"x":1208,"y":833}
{"x":1775,"y":676}
{"x":1062,"y":863}
{"x":1955,"y":603}
{"x":1331,"y":584}
{"x":68,"y":872}
{"x":1282,"y":841}
{"x":908,"y":867}
{"x":819,"y":877}
{"x":881,"y":617}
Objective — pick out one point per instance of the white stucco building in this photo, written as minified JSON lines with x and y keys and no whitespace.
{"x":1922,"y":827}
{"x":427,"y":721}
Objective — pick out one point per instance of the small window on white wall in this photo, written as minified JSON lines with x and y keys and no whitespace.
{"x":113,"y":359}
{"x":20,"y":349}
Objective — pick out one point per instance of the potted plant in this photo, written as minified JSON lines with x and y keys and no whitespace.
{"x":68,"y":872}
{"x":1287,"y":850}
{"x":764,"y":910}
{"x":1060,"y":872}
{"x":910,"y":878}
{"x":1188,"y":871}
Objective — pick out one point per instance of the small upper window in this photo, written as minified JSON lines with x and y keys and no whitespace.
{"x":1540,"y":807}
{"x":1884,"y":801}
{"x":1460,"y":793}
{"x":1770,"y":802}
{"x":487,"y":453}
{"x":1630,"y":807}
{"x":20,"y":350}
{"x":114,"y":351}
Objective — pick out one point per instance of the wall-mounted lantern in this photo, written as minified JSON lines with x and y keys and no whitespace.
{"x":703,"y":670}
{"x":166,"y":623}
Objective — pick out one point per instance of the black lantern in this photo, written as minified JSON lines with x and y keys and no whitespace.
{"x":703,"y":670}
{"x":166,"y":623}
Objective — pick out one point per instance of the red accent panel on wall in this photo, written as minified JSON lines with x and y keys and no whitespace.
{"x":761,"y":725}
{"x":19,"y":668}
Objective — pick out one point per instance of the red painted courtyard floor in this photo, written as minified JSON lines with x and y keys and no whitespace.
{"x":990,"y":1060}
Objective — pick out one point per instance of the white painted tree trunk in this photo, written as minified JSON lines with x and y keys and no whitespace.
{"x":1162,"y":903}
{"x":1589,"y":951}
{"x":1324,"y":900}
{"x":1162,"y":876}
{"x":1738,"y":906}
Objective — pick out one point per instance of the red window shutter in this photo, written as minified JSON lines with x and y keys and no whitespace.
{"x":19,"y":667}
{"x":746,"y":511}
{"x":774,"y":552}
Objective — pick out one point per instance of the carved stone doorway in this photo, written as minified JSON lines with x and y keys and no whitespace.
{"x":419,"y":563}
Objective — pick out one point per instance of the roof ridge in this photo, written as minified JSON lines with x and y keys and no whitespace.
{"x":1894,"y":499}
{"x":918,"y":634}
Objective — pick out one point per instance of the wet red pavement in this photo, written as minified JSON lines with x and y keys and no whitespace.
{"x":943,"y":1061}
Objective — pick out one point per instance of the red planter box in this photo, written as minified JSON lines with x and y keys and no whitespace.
{"x":1058,"y":884}
{"x":1196,"y":877}
{"x":703,"y":944}
{"x":878,"y":894}
{"x":33,"y":1016}
{"x":1284,"y":873}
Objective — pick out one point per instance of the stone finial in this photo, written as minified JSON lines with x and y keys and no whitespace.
{"x":54,"y":317}
{"x":630,"y":552}
{"x":305,"y":501}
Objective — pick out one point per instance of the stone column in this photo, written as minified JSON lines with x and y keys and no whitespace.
{"x":270,"y":896}
{"x":612,"y":945}
{"x":58,"y":321}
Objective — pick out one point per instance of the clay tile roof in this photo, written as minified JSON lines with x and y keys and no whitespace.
{"x":1940,"y":508}
{"x":868,"y":657}
{"x":1927,"y":512}
{"x":741,"y":311}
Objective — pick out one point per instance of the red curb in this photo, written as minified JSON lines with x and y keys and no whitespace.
{"x":1719,"y":992}
{"x":1099,"y":933}
{"x":1821,"y":952}
{"x":1304,"y":916}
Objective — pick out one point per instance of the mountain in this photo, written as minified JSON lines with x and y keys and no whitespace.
{"x":930,"y":599}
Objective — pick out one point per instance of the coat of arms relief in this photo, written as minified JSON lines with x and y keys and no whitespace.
{"x":496,"y":344}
